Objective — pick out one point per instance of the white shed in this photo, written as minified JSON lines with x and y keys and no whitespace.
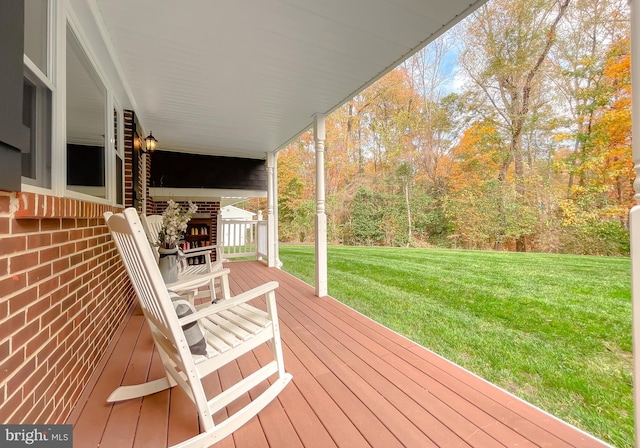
{"x":235,"y":213}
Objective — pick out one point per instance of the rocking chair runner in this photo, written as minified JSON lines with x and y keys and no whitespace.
{"x":230,"y":328}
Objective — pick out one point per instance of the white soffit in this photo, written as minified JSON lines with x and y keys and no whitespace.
{"x":242,"y":78}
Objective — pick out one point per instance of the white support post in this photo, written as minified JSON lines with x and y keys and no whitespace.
{"x":319,"y":135}
{"x":634,"y":217}
{"x":271,"y":222}
{"x":275,"y":211}
{"x":219,"y":234}
{"x":144,"y":183}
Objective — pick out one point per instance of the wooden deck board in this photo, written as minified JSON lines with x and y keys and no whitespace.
{"x":435,"y":398}
{"x":91,"y":422}
{"x":153,"y":422}
{"x":356,"y":384}
{"x":121,"y":427}
{"x":277,"y":427}
{"x":436,"y":429}
{"x":304,"y":421}
{"x":383,"y":378}
{"x":354,"y":324}
{"x":374,"y":392}
{"x":250,"y":434}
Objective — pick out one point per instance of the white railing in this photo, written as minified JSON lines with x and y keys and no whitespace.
{"x":263,"y":250}
{"x":243,"y":238}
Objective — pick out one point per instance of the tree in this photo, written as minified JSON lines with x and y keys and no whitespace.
{"x":606,"y":167}
{"x":507,"y":44}
{"x":366,"y":218}
{"x":532,"y":154}
{"x":579,"y":60}
{"x":387,"y":112}
{"x":404,"y":173}
{"x":295,"y":185}
{"x":437,"y":113}
{"x":612,"y":130}
{"x":478,"y":156}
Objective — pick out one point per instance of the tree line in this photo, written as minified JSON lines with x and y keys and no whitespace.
{"x":510,"y":132}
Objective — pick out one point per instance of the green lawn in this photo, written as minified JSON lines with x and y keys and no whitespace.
{"x":553,"y":329}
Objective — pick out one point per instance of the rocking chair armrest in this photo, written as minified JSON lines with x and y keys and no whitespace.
{"x":197,"y":251}
{"x":230,"y":303}
{"x":196,"y":280}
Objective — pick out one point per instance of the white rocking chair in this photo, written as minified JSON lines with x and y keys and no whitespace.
{"x":152,"y":224}
{"x":230,"y":329}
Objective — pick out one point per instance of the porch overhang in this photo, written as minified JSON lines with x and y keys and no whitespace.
{"x":243,"y":79}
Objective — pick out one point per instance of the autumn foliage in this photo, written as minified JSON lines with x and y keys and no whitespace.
{"x":411,"y":162}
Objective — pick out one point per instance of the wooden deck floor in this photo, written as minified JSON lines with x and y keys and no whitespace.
{"x":356,"y":384}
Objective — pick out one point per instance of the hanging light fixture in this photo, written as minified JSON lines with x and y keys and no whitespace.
{"x":150,"y":143}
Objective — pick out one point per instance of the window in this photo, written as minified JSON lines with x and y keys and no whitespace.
{"x":36,"y":115}
{"x":36,"y":33}
{"x":86,"y":107}
{"x":36,"y":95}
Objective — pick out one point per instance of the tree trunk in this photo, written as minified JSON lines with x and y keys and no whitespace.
{"x":406,"y":198}
{"x":518,"y":164}
{"x":520,"y":108}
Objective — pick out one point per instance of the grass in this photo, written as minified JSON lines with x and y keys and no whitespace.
{"x":554,"y":330}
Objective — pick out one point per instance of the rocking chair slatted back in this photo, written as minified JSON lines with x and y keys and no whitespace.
{"x":230,"y":329}
{"x":152,"y":225}
{"x":142,"y":267}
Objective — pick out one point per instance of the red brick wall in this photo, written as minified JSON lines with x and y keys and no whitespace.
{"x":63,"y":294}
{"x":128,"y":158}
{"x":146,"y":169}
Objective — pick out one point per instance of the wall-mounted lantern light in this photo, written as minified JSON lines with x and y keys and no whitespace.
{"x":150,"y":143}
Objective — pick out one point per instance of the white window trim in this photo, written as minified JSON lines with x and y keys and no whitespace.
{"x":41,"y":115}
{"x":36,"y":72}
{"x":59,"y":124}
{"x":38,"y":77}
{"x":60,"y":16}
{"x":72,"y":22}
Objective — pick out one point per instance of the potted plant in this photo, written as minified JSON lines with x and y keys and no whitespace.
{"x":174,"y":225}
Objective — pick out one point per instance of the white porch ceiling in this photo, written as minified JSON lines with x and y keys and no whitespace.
{"x":244,"y":77}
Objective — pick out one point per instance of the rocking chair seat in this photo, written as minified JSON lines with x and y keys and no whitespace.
{"x":230,"y":328}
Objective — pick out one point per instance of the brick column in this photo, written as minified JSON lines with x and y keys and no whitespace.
{"x":129,"y":187}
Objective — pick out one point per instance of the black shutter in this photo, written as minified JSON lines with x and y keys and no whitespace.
{"x":14,"y":136}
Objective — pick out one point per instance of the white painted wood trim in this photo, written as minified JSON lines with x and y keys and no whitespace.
{"x":634,"y":217}
{"x":275,"y":211}
{"x":271,"y":222}
{"x":319,"y":135}
{"x":59,"y":99}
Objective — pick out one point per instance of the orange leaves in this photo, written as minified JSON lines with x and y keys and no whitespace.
{"x":612,"y":164}
{"x":516,"y":157}
{"x":477,"y":158}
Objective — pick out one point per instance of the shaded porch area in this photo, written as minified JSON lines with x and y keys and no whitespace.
{"x":356,"y":384}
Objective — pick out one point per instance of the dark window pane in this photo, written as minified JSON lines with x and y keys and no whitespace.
{"x":86,"y":101}
{"x":119,"y":181}
{"x":29,"y":92}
